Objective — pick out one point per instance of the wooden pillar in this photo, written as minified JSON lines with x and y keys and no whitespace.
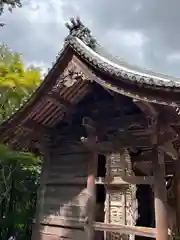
{"x":160,"y":195}
{"x":45,"y":147}
{"x":91,"y":187}
{"x":177,"y":193}
{"x":160,"y":192}
{"x":92,"y":172}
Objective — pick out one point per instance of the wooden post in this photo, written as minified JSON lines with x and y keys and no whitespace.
{"x":177,"y":193}
{"x":160,"y":192}
{"x":160,"y":195}
{"x":176,"y":184}
{"x":91,"y":187}
{"x":92,"y":172}
{"x":45,"y":155}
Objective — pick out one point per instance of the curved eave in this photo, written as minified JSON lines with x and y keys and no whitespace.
{"x":38,"y":112}
{"x":45,"y":85}
{"x":142,"y":77}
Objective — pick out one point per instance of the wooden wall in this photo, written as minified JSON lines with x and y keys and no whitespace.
{"x":62,"y":196}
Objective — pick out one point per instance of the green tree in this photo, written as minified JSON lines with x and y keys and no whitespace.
{"x":19,"y":171}
{"x":19,"y":175}
{"x":16,"y":81}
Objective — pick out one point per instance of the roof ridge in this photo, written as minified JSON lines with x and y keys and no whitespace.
{"x":77,"y":30}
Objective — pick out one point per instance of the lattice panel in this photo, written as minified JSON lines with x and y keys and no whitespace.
{"x":121,"y":203}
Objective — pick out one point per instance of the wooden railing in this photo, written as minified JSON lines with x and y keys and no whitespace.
{"x":124,"y":229}
{"x":99,"y":226}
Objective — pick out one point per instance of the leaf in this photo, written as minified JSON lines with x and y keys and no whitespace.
{"x":19,"y":171}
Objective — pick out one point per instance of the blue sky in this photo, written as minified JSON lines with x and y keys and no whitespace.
{"x":141,"y":32}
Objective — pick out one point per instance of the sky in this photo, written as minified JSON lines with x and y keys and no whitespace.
{"x":145,"y":33}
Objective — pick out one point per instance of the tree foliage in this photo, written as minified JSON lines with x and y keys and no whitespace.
{"x":19,"y":171}
{"x":10,"y":4}
{"x":16,"y":81}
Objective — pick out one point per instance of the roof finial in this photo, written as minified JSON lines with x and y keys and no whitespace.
{"x":74,"y":24}
{"x":78,"y":29}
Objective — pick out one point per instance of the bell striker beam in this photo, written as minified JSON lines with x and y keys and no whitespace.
{"x":92,"y":171}
{"x":160,"y":194}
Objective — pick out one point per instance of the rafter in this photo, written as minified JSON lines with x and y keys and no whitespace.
{"x":34,"y":126}
{"x":58,"y":100}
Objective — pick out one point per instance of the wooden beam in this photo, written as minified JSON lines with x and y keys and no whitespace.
{"x":58,"y":221}
{"x":146,"y":167}
{"x":160,"y":195}
{"x":129,"y":230}
{"x":145,"y":107}
{"x":125,"y":121}
{"x":98,"y":226}
{"x":33,"y":125}
{"x":117,"y":123}
{"x":58,"y":100}
{"x":126,"y":180}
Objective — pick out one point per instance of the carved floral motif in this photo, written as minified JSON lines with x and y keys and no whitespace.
{"x":70,"y":76}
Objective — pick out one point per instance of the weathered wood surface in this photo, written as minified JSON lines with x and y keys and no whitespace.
{"x":160,"y":195}
{"x":126,"y":180}
{"x":60,"y":233}
{"x":65,"y":201}
{"x":65,"y":197}
{"x":67,"y":169}
{"x":177,"y":192}
{"x":140,"y":231}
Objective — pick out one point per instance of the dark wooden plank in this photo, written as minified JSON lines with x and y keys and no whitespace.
{"x":63,"y":222}
{"x":36,"y":127}
{"x":64,"y":202}
{"x":58,"y":100}
{"x":68,"y":169}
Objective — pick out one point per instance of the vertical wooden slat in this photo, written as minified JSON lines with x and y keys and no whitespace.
{"x":160,"y":195}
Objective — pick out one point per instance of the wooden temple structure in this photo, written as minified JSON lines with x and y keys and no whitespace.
{"x":108,"y":134}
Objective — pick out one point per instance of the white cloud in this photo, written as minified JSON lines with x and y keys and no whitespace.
{"x":42,"y":65}
{"x":132,"y":39}
{"x":40,"y":12}
{"x":126,"y":45}
{"x":173,"y":58}
{"x":138,"y":31}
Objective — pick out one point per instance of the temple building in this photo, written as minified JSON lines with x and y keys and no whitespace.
{"x":108,"y":135}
